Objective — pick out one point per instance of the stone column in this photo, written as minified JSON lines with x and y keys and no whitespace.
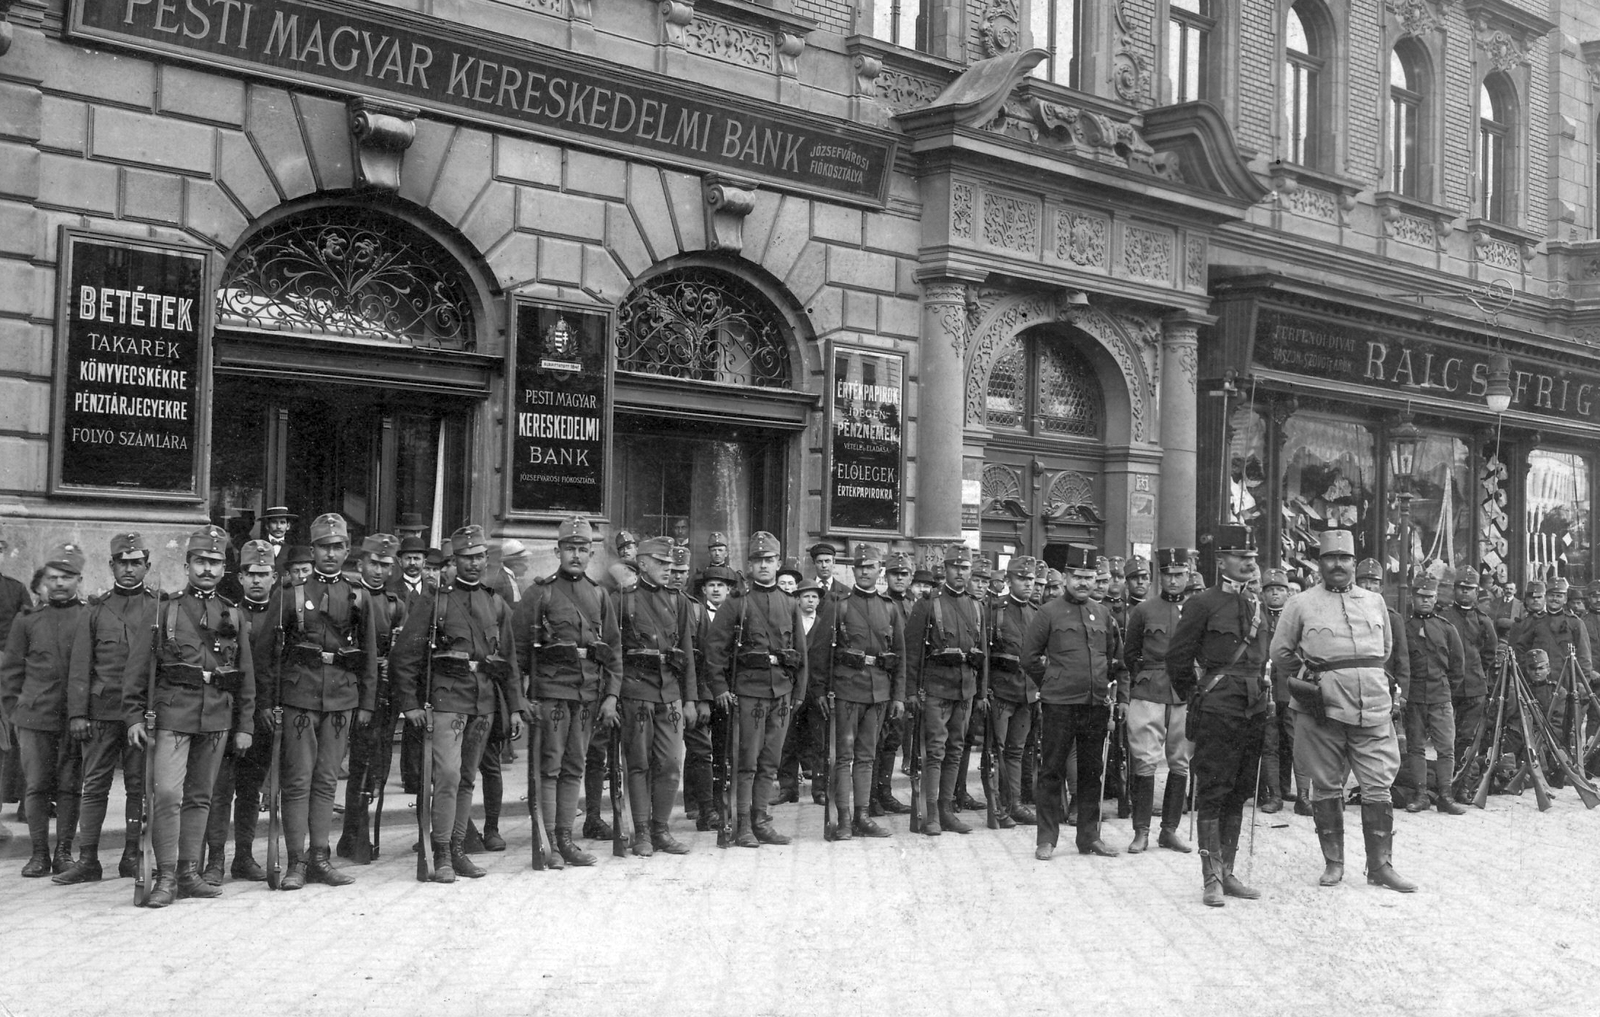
{"x":1180,"y":363}
{"x":941,"y":409}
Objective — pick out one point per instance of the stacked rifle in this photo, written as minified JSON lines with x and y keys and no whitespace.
{"x":1517,"y":725}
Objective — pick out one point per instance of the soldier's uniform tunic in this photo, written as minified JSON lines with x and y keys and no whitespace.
{"x":944,"y":645}
{"x":1479,"y":646}
{"x":1156,"y":712}
{"x":33,"y":696}
{"x":1438,"y":666}
{"x":865,"y":640}
{"x":1013,"y":695}
{"x":240,"y":776}
{"x":372,"y":748}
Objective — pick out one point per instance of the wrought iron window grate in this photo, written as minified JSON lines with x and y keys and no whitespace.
{"x":703,"y":325}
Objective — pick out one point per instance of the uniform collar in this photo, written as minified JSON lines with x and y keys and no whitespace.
{"x":375,"y":589}
{"x":1338,"y":589}
{"x":1232,"y":586}
{"x":128,"y":591}
{"x":199,"y":594}
{"x":1015,"y":600}
{"x":951,"y":591}
{"x":1171,"y":598}
{"x":462,"y":584}
{"x":326,"y":577}
{"x":873,"y":592}
{"x":255,"y":605}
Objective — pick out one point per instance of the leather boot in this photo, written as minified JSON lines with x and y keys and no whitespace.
{"x":1211,"y":862}
{"x":492,"y":841}
{"x":843,"y":828}
{"x":215,"y":869}
{"x":1003,"y":813}
{"x":1328,"y":815}
{"x":1271,"y":795}
{"x":472,"y":843}
{"x":595,"y":828}
{"x":463,"y":865}
{"x":1144,"y":794}
{"x":863,"y":826}
{"x":742,"y":835}
{"x":62,"y":860}
{"x":443,"y":864}
{"x":1231,"y":884}
{"x":85,"y":870}
{"x":295,"y":876}
{"x":948,"y":819}
{"x":761,"y":825}
{"x":640,"y":845}
{"x":883,"y":787}
{"x":969,"y":803}
{"x":245,"y":866}
{"x":1377,"y":829}
{"x":1446,"y":801}
{"x":321,"y":870}
{"x":38,"y":865}
{"x":1072,"y":810}
{"x":1172,"y":802}
{"x":128,"y":864}
{"x":569,"y":851}
{"x":662,"y":840}
{"x":165,"y":890}
{"x":190,"y":884}
{"x":1303,"y":806}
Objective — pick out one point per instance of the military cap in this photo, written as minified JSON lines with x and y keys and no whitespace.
{"x":1196,"y":582}
{"x":622,"y":539}
{"x":209,"y":541}
{"x":297,"y":554}
{"x":1117,"y":590}
{"x":957,"y":554}
{"x":1594,"y":588}
{"x":680,"y":557}
{"x":1053,"y":578}
{"x":435,"y":557}
{"x":719,"y":574}
{"x":128,"y":545}
{"x":68,"y":557}
{"x":1274,"y":577}
{"x":1538,"y":658}
{"x":717,"y":539}
{"x":791,"y":567}
{"x":980,"y":566}
{"x":1336,"y":542}
{"x":762,"y":544}
{"x":1080,"y":558}
{"x":900,"y":562}
{"x":1020,"y":566}
{"x":1368,"y":568}
{"x":1559,"y":585}
{"x":1534,"y":589}
{"x":1234,"y":538}
{"x":413,"y":545}
{"x":868,"y":554}
{"x":575,"y":530}
{"x":659,"y":548}
{"x":256,"y":555}
{"x":1172,"y":559}
{"x":808,"y":586}
{"x":278,"y":512}
{"x":1427,"y":586}
{"x":1137,"y":566}
{"x":923,"y":576}
{"x":328,"y":527}
{"x":1466,"y":579}
{"x":381,"y":546}
{"x":468,"y":539}
{"x":823,"y":548}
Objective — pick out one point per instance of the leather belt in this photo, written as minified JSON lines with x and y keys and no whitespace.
{"x":1006,"y":656}
{"x":640,"y":653}
{"x":328,"y":656}
{"x":1340,"y":663}
{"x":868,"y":659}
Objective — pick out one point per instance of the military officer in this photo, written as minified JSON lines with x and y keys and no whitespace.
{"x":569,"y":646}
{"x":33,"y":696}
{"x":205,"y":687}
{"x":94,"y":706}
{"x":468,"y":633}
{"x":1277,"y":762}
{"x":861,"y":678}
{"x":1438,"y":666}
{"x":372,"y":747}
{"x":1155,"y":711}
{"x":1012,"y":694}
{"x":1342,"y":636}
{"x":756,"y":662}
{"x":1480,"y":647}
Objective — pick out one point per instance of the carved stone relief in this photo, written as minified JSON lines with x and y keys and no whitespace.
{"x":1129,"y":74}
{"x":1010,"y":222}
{"x":998,"y":27}
{"x":1194,"y":261}
{"x":1147,"y":254}
{"x":961,"y":211}
{"x":733,"y":44}
{"x":1081,"y":238}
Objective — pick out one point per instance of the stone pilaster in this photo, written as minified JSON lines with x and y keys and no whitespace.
{"x":1180,"y":363}
{"x":941,"y":400}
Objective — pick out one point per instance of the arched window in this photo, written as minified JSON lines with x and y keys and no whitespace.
{"x":1407,"y":86}
{"x":1055,"y":24}
{"x":1189,"y":25}
{"x":1305,"y":115}
{"x":1044,"y":388}
{"x":1496,"y":157}
{"x":700,"y":324}
{"x":352,"y":272}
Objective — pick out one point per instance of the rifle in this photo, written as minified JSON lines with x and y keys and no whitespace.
{"x":1481,"y":799}
{"x":361,"y":850}
{"x":918,"y":742}
{"x":1125,"y":800}
{"x":1580,"y":783}
{"x":730,"y":762}
{"x":616,"y":759}
{"x":425,"y":783}
{"x":1531,"y":766}
{"x":830,"y":822}
{"x":144,"y":881}
{"x":986,"y":757}
{"x":274,"y":815}
{"x":535,"y":789}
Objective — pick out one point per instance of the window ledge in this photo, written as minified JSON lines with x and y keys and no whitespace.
{"x":1313,"y":193}
{"x":1502,"y":246}
{"x":1413,"y":220}
{"x":900,"y":77}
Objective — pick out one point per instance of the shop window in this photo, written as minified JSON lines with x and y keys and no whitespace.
{"x":1496,"y":113}
{"x":1189,"y":25}
{"x":1044,"y":388}
{"x":1055,"y":29}
{"x":348,"y":272}
{"x":1305,"y":85}
{"x":1247,"y":470}
{"x":699,"y":324}
{"x":1557,"y":507}
{"x":1407,"y":84}
{"x":1329,"y":475}
{"x":1441,"y":506}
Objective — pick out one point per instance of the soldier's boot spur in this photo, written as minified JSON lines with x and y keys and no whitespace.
{"x":1328,"y":816}
{"x":1377,"y":829}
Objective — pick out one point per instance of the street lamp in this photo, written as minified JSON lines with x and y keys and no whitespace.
{"x":1403,"y":467}
{"x":1498,"y":396}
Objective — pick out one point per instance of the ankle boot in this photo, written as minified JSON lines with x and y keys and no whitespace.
{"x":639,"y":845}
{"x":883,"y":787}
{"x":1271,"y":795}
{"x":165,"y":890}
{"x":213,"y":872}
{"x":863,"y":826}
{"x":62,"y":861}
{"x":842,"y":826}
{"x":294,"y":877}
{"x":743,"y":836}
{"x":245,"y":866}
{"x":661,"y":839}
{"x":463,"y":865}
{"x":1446,"y":800}
{"x":321,"y":870}
{"x":948,"y":819}
{"x":1303,"y":805}
{"x":1211,"y":862}
{"x":1328,"y":815}
{"x":85,"y":870}
{"x":1231,"y":885}
{"x":1144,"y":794}
{"x":190,"y":884}
{"x":128,"y":864}
{"x":761,"y":826}
{"x":1377,"y":829}
{"x":570,"y":852}
{"x":38,"y":865}
{"x":595,"y":828}
{"x":443,"y":863}
{"x":492,"y":841}
{"x":1172,"y":802}
{"x":472,"y":843}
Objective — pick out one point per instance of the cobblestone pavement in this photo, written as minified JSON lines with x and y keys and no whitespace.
{"x":1505,"y":923}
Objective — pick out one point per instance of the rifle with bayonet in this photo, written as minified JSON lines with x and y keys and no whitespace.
{"x":730,"y":754}
{"x":1481,"y":799}
{"x":986,"y":756}
{"x":146,"y":873}
{"x":830,"y":823}
{"x":274,"y":812}
{"x":918,"y":749}
{"x":425,"y":782}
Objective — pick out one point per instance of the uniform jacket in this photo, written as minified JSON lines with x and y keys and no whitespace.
{"x":657,"y":639}
{"x":1082,"y":648}
{"x":577,"y":621}
{"x":770,"y":621}
{"x":1216,"y":625}
{"x":1151,"y":626}
{"x":1478,"y":645}
{"x":263,"y":619}
{"x":330,"y":615}
{"x":1322,"y":625}
{"x":473,"y":624}
{"x":866,"y":623}
{"x":14,"y":598}
{"x":1280,"y":681}
{"x":903,"y":603}
{"x":109,"y":627}
{"x":1008,"y":626}
{"x":33,"y":677}
{"x":700,"y":623}
{"x":205,"y":631}
{"x":1552,"y":633}
{"x":1399,"y":666}
{"x":949,"y":620}
{"x":1438,"y":663}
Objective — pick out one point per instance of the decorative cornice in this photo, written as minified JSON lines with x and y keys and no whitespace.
{"x":1486,"y":14}
{"x":979,"y":94}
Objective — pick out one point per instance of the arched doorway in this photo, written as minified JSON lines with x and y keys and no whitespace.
{"x":347,"y":374}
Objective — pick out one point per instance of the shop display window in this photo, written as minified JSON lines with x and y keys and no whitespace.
{"x":1329,"y":477}
{"x":1247,"y":470}
{"x":1556,"y":515}
{"x":1441,"y":511}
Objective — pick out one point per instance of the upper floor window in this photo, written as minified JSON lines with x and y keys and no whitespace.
{"x":902,"y":22}
{"x":1045,"y":388}
{"x":1305,"y":59}
{"x":1405,"y":110}
{"x":1055,"y":28}
{"x":1189,"y":24}
{"x":1496,"y":110}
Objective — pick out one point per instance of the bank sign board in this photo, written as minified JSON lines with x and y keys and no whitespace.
{"x":464,"y":72}
{"x":131,"y":368}
{"x":560,"y":410}
{"x":866,"y":440}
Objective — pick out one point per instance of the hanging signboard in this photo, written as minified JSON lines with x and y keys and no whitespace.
{"x":866,"y":440}
{"x":559,"y":415}
{"x":132,"y":369}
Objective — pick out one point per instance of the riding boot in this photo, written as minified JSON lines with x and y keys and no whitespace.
{"x":321,"y":870}
{"x":1328,"y":815}
{"x":1271,"y":795}
{"x":165,"y":890}
{"x":190,"y":884}
{"x":594,"y":825}
{"x":1444,"y":768}
{"x":244,"y":839}
{"x":1377,"y":829}
{"x":1172,"y":803}
{"x":1231,"y":885}
{"x":883,"y":787}
{"x":1211,"y":862}
{"x":931,"y":778}
{"x":570,"y":852}
{"x":85,"y":870}
{"x":1144,"y":793}
{"x":443,"y":863}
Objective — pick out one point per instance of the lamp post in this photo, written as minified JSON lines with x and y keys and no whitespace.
{"x":1403,"y":465}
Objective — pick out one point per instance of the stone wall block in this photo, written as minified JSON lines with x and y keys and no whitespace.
{"x":624,"y":241}
{"x":25,"y":347}
{"x":648,"y":201}
{"x":861,"y":268}
{"x":835,"y":222}
{"x":560,"y":262}
{"x":566,"y":215}
{"x":515,"y":260}
{"x":240,"y":172}
{"x":826,"y":311}
{"x":897,"y":234}
{"x":275,"y":128}
{"x":758,"y":224}
{"x":603,"y":176}
{"x":24,"y":406}
{"x":19,"y":229}
{"x":685,"y":194}
{"x":326,"y":126}
{"x":21,"y":112}
{"x":467,"y":169}
{"x":153,"y":196}
{"x":860,"y":311}
{"x":75,"y":183}
{"x":899,"y":317}
{"x":602,"y":276}
{"x":809,"y":273}
{"x":209,"y":212}
{"x":527,"y":162}
{"x":64,"y":125}
{"x":90,"y":73}
{"x":200,"y":95}
{"x":492,"y":217}
{"x":125,"y":136}
{"x":791,"y":231}
{"x":419,"y":167}
{"x":27,"y":463}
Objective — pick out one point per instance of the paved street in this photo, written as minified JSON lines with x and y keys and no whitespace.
{"x":1506,"y":923}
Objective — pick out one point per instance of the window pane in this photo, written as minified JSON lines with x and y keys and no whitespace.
{"x":1247,"y":471}
{"x":1063,"y":42}
{"x":1295,"y":38}
{"x":1441,"y":511}
{"x":1069,"y":395}
{"x":1006,"y":395}
{"x":1328,"y":474}
{"x":1193,"y":6}
{"x":1398,"y":77}
{"x":1557,"y":517}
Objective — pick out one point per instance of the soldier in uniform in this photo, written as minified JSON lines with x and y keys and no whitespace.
{"x":945,"y":649}
{"x":205,"y":687}
{"x":1155,"y":711}
{"x":240,"y":775}
{"x":1479,"y":646}
{"x":1055,"y":585}
{"x":1012,"y":694}
{"x":372,"y":748}
{"x":1438,"y":666}
{"x":897,"y":583}
{"x":1549,"y":626}
{"x":468,"y":631}
{"x":993,"y":582}
{"x":756,"y":660}
{"x":33,"y":696}
{"x":861,"y":680}
{"x":1341,"y":636}
{"x":1277,"y":761}
{"x":569,"y":646}
{"x":94,"y":706}
{"x":1136,"y":576}
{"x":1072,"y":652}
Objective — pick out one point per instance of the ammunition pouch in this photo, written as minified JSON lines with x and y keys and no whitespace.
{"x":1307,"y":691}
{"x":306,"y":655}
{"x":452,"y":664}
{"x":186,"y":675}
{"x":600,"y":653}
{"x":1005,"y":662}
{"x":976,"y":658}
{"x":678,"y":660}
{"x":850,"y":658}
{"x":497,"y":669}
{"x":789,"y":658}
{"x":351,"y":659}
{"x":888,"y":661}
{"x":561,"y":653}
{"x":950,"y":657}
{"x":228,"y":679}
{"x":758,"y":661}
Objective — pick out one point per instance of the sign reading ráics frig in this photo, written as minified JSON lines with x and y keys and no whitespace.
{"x":464,"y":72}
{"x":130,"y":368}
{"x":560,"y":415}
{"x":866,"y":401}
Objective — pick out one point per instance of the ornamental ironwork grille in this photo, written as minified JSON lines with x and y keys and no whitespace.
{"x":703,"y":325}
{"x":1066,"y":398}
{"x":349,"y":272}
